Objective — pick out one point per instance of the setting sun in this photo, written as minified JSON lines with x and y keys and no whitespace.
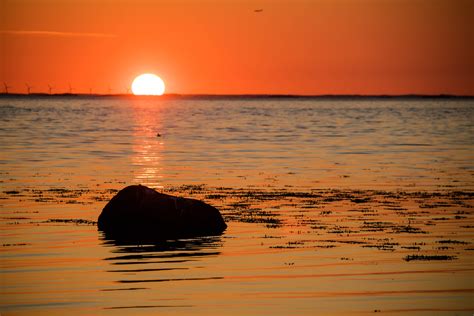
{"x":148,"y":84}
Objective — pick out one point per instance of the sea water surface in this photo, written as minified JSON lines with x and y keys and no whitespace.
{"x":334,"y":206}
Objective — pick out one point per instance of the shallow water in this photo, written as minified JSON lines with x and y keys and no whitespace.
{"x":333,"y":206}
{"x":371,"y":143}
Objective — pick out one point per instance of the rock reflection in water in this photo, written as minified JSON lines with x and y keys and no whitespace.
{"x":149,"y":266}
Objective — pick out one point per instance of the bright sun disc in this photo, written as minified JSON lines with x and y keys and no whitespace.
{"x":148,"y":84}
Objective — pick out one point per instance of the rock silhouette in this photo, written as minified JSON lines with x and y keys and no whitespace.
{"x":140,"y":212}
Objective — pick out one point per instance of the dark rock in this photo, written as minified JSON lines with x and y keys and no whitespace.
{"x":140,"y":212}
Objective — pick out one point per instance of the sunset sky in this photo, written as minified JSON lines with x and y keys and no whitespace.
{"x":225,"y":47}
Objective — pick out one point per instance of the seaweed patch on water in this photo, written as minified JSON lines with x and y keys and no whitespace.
{"x":341,"y":218}
{"x":318,"y":218}
{"x":450,"y":241}
{"x":243,"y":213}
{"x":59,"y":195}
{"x":17,"y":218}
{"x":428,"y":257}
{"x":408,"y":229}
{"x":76,"y":221}
{"x":12,"y":192}
{"x":411,"y":247}
{"x":386,"y":246}
{"x":17,"y":244}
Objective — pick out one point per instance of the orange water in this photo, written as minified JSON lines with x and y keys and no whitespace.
{"x":331,"y":206}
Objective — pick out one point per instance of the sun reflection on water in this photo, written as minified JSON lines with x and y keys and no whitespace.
{"x":147,"y":148}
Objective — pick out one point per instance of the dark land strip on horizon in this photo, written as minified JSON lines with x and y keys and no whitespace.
{"x":241,"y":96}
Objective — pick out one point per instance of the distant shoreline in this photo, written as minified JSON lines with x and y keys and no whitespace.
{"x":237,"y":96}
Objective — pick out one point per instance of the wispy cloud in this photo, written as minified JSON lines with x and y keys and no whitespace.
{"x":57,"y":34}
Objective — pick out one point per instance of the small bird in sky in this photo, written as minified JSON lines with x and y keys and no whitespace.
{"x":258,"y":10}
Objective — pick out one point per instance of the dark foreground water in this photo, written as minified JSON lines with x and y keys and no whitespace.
{"x":333,"y":206}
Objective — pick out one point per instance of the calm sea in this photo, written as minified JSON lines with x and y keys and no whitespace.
{"x":334,"y":206}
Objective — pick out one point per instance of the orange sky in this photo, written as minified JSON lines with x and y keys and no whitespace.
{"x":224,"y":47}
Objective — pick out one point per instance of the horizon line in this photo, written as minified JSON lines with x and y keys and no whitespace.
{"x":244,"y":95}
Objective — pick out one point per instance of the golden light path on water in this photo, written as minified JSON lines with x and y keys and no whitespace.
{"x":147,"y":149}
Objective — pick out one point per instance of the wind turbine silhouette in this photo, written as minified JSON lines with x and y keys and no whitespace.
{"x":109,"y":90}
{"x":70,"y":88}
{"x":50,"y":88}
{"x":28,"y":88}
{"x":6,"y":87}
